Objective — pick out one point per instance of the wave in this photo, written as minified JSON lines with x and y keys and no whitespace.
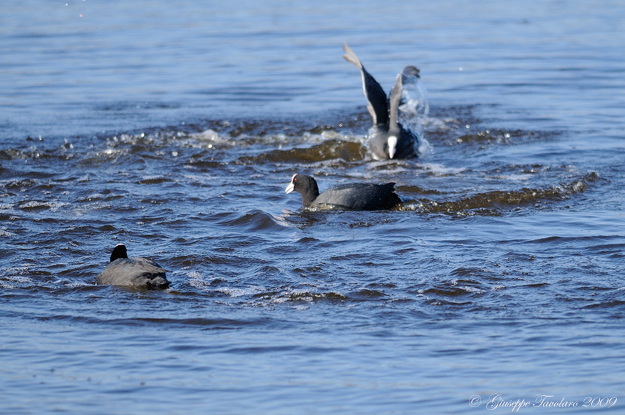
{"x":493,"y":203}
{"x":328,"y":150}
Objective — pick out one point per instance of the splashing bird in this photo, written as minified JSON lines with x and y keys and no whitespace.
{"x":388,"y":139}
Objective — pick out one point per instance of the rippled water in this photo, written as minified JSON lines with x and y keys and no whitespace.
{"x":175,"y":128}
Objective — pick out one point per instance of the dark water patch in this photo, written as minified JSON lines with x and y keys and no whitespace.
{"x":225,"y":256}
{"x":8,"y":154}
{"x":449,"y":292}
{"x":382,"y":285}
{"x":483,"y":136}
{"x":497,"y":136}
{"x":33,"y":173}
{"x":615,"y":250}
{"x":608,"y":305}
{"x":446,"y":303}
{"x":33,"y":205}
{"x":560,"y":240}
{"x":307,"y":240}
{"x":211,"y":135}
{"x":455,"y":287}
{"x":459,"y":125}
{"x":206,"y":165}
{"x":63,"y":153}
{"x":495,"y":202}
{"x":7,"y":217}
{"x":257,"y":128}
{"x":19,"y":184}
{"x":530,"y":169}
{"x":595,"y":288}
{"x":537,"y":285}
{"x":49,"y":187}
{"x":255,"y":221}
{"x":351,"y":257}
{"x":471,"y":272}
{"x":520,"y":257}
{"x":417,"y":190}
{"x":154,"y":180}
{"x":82,"y":230}
{"x":317,"y":271}
{"x":573,"y":299}
{"x":366,"y":295}
{"x":105,"y":196}
{"x":16,"y":154}
{"x":328,"y":150}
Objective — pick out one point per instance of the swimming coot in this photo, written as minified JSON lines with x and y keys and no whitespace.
{"x":135,"y":272}
{"x":358,"y":196}
{"x":389,"y":139}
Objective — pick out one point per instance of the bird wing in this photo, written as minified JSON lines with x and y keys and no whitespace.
{"x":393,"y":104}
{"x":376,"y":98}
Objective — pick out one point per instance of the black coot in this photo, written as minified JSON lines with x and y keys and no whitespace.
{"x":389,"y":139}
{"x":356,"y":196}
{"x":135,"y":272}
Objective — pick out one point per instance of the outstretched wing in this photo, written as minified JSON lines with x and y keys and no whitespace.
{"x":393,"y":104}
{"x":376,"y":98}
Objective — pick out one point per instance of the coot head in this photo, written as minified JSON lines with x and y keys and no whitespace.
{"x":305,"y":186}
{"x":119,"y":252}
{"x":409,"y":72}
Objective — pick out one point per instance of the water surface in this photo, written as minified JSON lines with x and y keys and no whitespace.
{"x":175,"y":127}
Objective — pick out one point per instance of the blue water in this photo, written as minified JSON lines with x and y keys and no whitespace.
{"x":174,"y":127}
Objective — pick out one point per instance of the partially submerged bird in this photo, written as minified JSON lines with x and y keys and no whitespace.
{"x":389,"y":139}
{"x":135,"y":272}
{"x":358,"y":196}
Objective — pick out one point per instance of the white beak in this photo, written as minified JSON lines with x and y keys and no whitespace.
{"x":392,"y":146}
{"x":291,"y":185}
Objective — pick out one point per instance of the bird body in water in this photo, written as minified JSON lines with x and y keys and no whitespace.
{"x":133,"y":272}
{"x":356,"y":196}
